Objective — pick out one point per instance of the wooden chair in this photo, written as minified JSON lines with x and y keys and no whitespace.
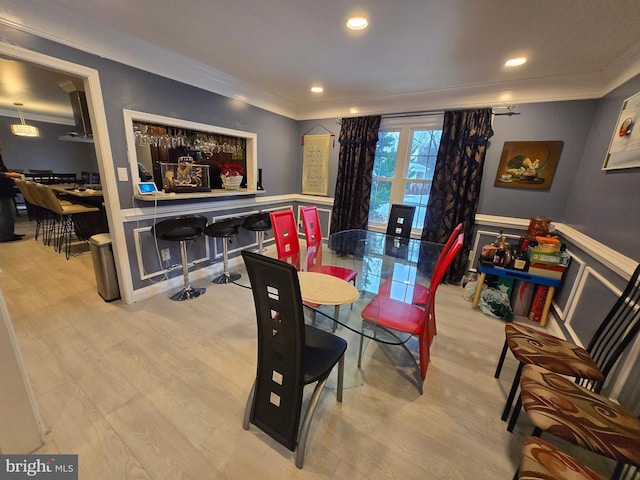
{"x":591,"y":365}
{"x":290,"y":356}
{"x":390,"y":315}
{"x":400,"y":220}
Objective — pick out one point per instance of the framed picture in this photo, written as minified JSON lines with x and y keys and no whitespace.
{"x":530,"y":165}
{"x":624,"y":150}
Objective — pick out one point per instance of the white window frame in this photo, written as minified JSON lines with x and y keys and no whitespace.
{"x":406,"y":126}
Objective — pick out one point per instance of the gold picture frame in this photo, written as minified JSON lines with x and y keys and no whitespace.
{"x":529,"y":165}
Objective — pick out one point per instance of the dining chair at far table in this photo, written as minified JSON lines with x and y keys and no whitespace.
{"x":390,"y":315}
{"x":400,"y":220}
{"x":313,"y":236}
{"x":290,"y":355}
{"x":590,"y":366}
{"x":576,"y":414}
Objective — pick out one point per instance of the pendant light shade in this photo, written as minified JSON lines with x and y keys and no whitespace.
{"x":22,"y":128}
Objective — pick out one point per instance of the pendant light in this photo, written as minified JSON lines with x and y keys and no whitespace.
{"x":22,"y":128}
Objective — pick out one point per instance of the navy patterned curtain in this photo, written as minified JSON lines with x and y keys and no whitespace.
{"x":455,"y":190}
{"x":358,"y":138}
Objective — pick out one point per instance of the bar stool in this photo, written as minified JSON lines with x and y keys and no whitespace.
{"x":180,"y":229}
{"x":225,"y":229}
{"x":258,"y":222}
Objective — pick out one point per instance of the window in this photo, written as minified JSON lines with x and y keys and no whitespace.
{"x":403,"y":167}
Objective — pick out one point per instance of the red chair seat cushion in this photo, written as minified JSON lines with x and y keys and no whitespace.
{"x":393,"y":314}
{"x":345,"y":274}
{"x":531,"y":346}
{"x":574,"y":413}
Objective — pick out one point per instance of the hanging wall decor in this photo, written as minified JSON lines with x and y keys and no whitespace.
{"x":315,"y":166}
{"x":624,"y":150}
{"x":529,"y":165}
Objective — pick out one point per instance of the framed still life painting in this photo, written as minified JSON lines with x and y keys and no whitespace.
{"x":529,"y":165}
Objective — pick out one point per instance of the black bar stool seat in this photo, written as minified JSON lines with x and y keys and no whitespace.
{"x":258,"y":222}
{"x":181,"y":229}
{"x":225,"y":229}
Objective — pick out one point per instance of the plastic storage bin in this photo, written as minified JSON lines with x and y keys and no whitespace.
{"x":104,"y":266}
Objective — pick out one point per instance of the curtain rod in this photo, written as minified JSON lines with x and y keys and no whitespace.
{"x":428,"y":113}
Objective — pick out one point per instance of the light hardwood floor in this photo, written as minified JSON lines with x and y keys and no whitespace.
{"x":156,"y":390}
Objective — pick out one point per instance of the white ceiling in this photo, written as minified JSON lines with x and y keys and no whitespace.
{"x":415,"y":55}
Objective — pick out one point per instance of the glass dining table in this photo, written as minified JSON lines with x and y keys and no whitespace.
{"x":382,"y":262}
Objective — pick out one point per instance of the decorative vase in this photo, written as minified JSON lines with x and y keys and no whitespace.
{"x":231,"y":182}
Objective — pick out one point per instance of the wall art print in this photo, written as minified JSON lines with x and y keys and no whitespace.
{"x":624,"y":150}
{"x":529,"y":165}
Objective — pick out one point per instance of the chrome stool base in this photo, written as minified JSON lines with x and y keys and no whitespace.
{"x":227,"y":277}
{"x":188,"y":294}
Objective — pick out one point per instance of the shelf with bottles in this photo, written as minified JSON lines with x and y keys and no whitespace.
{"x":154,"y":139}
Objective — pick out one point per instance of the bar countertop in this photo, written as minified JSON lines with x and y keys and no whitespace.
{"x":162,"y":196}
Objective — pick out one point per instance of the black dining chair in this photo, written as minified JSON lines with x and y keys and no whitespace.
{"x":400,"y":220}
{"x":291,"y":355}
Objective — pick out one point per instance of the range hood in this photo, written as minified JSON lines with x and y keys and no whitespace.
{"x":78,"y":98}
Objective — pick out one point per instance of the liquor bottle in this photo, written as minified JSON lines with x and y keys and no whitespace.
{"x":521,"y":257}
{"x":499,"y":256}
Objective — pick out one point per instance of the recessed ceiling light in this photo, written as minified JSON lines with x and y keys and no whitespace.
{"x":317,"y":89}
{"x":515,"y":62}
{"x":357,"y":23}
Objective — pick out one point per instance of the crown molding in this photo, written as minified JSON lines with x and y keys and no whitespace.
{"x":50,"y":21}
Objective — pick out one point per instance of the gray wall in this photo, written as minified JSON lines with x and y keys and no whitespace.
{"x":566,"y":121}
{"x":125,"y":87}
{"x":46,"y":152}
{"x":605,"y":204}
{"x":602,"y":205}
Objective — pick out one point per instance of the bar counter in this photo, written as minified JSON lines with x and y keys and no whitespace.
{"x":217,"y":192}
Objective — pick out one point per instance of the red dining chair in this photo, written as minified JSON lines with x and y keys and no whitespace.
{"x":389,"y":315}
{"x":313,"y":235}
{"x":285,"y":232}
{"x":420,"y":292}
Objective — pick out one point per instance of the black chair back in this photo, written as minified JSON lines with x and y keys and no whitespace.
{"x":619,"y":328}
{"x":281,"y":339}
{"x":400,"y":220}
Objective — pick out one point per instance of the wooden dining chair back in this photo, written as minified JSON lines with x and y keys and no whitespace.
{"x":290,"y":355}
{"x":285,"y":232}
{"x":590,"y":366}
{"x":388,"y":314}
{"x":400,"y":220}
